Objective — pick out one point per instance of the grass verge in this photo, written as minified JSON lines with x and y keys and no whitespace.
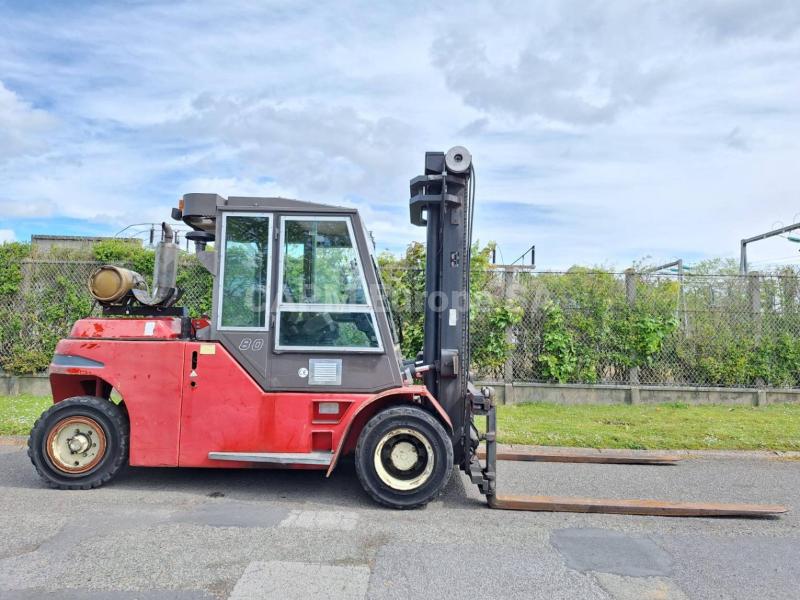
{"x":18,"y":413}
{"x":670,"y":426}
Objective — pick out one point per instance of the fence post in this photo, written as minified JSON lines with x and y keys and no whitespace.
{"x":754,"y":301}
{"x":508,"y":367}
{"x":27,"y":268}
{"x":754,"y":296}
{"x":633,"y":372}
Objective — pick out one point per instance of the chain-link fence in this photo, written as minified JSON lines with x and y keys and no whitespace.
{"x":577,"y":327}
{"x":586,"y":326}
{"x":629,"y":328}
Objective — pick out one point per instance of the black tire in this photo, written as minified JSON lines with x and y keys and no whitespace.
{"x":83,"y":411}
{"x":426,"y":435}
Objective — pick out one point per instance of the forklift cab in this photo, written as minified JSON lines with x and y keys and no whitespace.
{"x":297,"y":294}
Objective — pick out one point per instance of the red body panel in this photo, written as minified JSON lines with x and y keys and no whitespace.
{"x":226,"y":411}
{"x":157,"y":328}
{"x":148,"y":376}
{"x":180,"y":411}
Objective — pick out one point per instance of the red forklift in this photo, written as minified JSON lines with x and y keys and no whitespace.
{"x":298,"y":364}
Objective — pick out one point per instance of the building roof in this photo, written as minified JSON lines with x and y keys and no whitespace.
{"x":78,"y":238}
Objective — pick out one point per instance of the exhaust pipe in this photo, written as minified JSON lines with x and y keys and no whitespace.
{"x":165,"y":273}
{"x":114,"y":286}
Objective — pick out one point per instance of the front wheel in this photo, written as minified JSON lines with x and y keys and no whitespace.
{"x":404,"y":457}
{"x":79,"y":443}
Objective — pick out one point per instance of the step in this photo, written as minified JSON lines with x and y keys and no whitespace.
{"x":276,"y":458}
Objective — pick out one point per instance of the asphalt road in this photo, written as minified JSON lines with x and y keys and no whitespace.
{"x":192,"y":534}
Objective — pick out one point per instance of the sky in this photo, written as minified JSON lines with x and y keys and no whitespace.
{"x":602,"y":132}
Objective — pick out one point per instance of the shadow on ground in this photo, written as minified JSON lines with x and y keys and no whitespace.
{"x":341,"y":489}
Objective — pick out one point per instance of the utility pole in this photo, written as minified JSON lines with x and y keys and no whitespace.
{"x":758,"y":238}
{"x":678,"y":264}
{"x":532,"y":252}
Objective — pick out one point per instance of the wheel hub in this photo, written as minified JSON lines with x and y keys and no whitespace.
{"x":79,"y":443}
{"x":76,"y":444}
{"x":404,"y":459}
{"x":404,"y":456}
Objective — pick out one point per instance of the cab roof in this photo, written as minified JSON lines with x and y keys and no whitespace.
{"x":208,"y":204}
{"x":200,"y":210}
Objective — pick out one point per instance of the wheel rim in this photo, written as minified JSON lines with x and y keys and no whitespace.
{"x":404,"y":459}
{"x":76,"y":445}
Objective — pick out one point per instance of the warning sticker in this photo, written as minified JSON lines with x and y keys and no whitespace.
{"x":208,"y":348}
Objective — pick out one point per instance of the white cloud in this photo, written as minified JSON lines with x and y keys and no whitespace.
{"x":584,"y":62}
{"x":574,"y":85}
{"x":312,"y":147}
{"x":22,"y":127}
{"x":7,"y":235}
{"x":235,"y":186}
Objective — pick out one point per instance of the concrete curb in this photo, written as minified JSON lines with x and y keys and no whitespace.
{"x":13,"y":440}
{"x":522,"y":392}
{"x":22,"y":440}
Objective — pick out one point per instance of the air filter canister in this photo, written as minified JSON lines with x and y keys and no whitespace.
{"x":109,"y":284}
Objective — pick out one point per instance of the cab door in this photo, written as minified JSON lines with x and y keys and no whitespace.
{"x":243,"y":288}
{"x":330,"y":334}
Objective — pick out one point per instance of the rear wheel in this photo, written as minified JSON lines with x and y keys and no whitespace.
{"x":79,"y":443}
{"x":404,"y":457}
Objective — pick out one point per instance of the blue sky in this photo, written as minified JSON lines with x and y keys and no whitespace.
{"x":601,"y":131}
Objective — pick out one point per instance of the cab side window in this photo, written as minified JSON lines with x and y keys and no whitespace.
{"x":244,"y":272}
{"x":323,"y":300}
